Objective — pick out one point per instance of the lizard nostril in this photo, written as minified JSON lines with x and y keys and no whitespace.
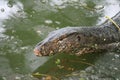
{"x":37,"y":52}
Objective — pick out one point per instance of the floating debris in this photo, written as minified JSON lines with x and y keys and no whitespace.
{"x":48,"y":21}
{"x":99,"y":7}
{"x":10,"y":3}
{"x":117,"y":56}
{"x":4,"y":78}
{"x":58,"y":61}
{"x":2,"y":9}
{"x":57,"y":22}
{"x":17,"y":78}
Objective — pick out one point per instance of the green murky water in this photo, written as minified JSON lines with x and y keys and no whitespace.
{"x":24,"y":23}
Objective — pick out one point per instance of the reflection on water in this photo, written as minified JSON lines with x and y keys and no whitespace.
{"x":8,"y":8}
{"x":1,"y":31}
{"x":23,"y":23}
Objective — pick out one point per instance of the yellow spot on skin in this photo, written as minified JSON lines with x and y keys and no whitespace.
{"x":40,"y":55}
{"x":96,"y":45}
{"x":43,"y":47}
{"x":51,"y":52}
{"x":60,"y":49}
{"x":69,"y":44}
{"x":60,"y":41}
{"x":48,"y":78}
{"x":104,"y":39}
{"x":70,"y":69}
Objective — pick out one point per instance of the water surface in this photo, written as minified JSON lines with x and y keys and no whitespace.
{"x":24,"y":23}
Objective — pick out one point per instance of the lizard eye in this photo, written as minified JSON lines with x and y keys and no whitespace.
{"x":79,"y":38}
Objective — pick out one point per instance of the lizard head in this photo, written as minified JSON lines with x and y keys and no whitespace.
{"x":62,"y":40}
{"x":68,"y":39}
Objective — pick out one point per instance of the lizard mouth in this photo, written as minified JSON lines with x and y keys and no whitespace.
{"x":37,"y":52}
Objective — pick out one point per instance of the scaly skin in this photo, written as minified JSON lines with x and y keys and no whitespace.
{"x":80,"y":40}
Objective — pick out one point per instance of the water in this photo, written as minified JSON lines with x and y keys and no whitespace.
{"x":24,"y":23}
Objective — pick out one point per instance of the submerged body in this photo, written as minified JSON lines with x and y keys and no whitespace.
{"x":79,"y":40}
